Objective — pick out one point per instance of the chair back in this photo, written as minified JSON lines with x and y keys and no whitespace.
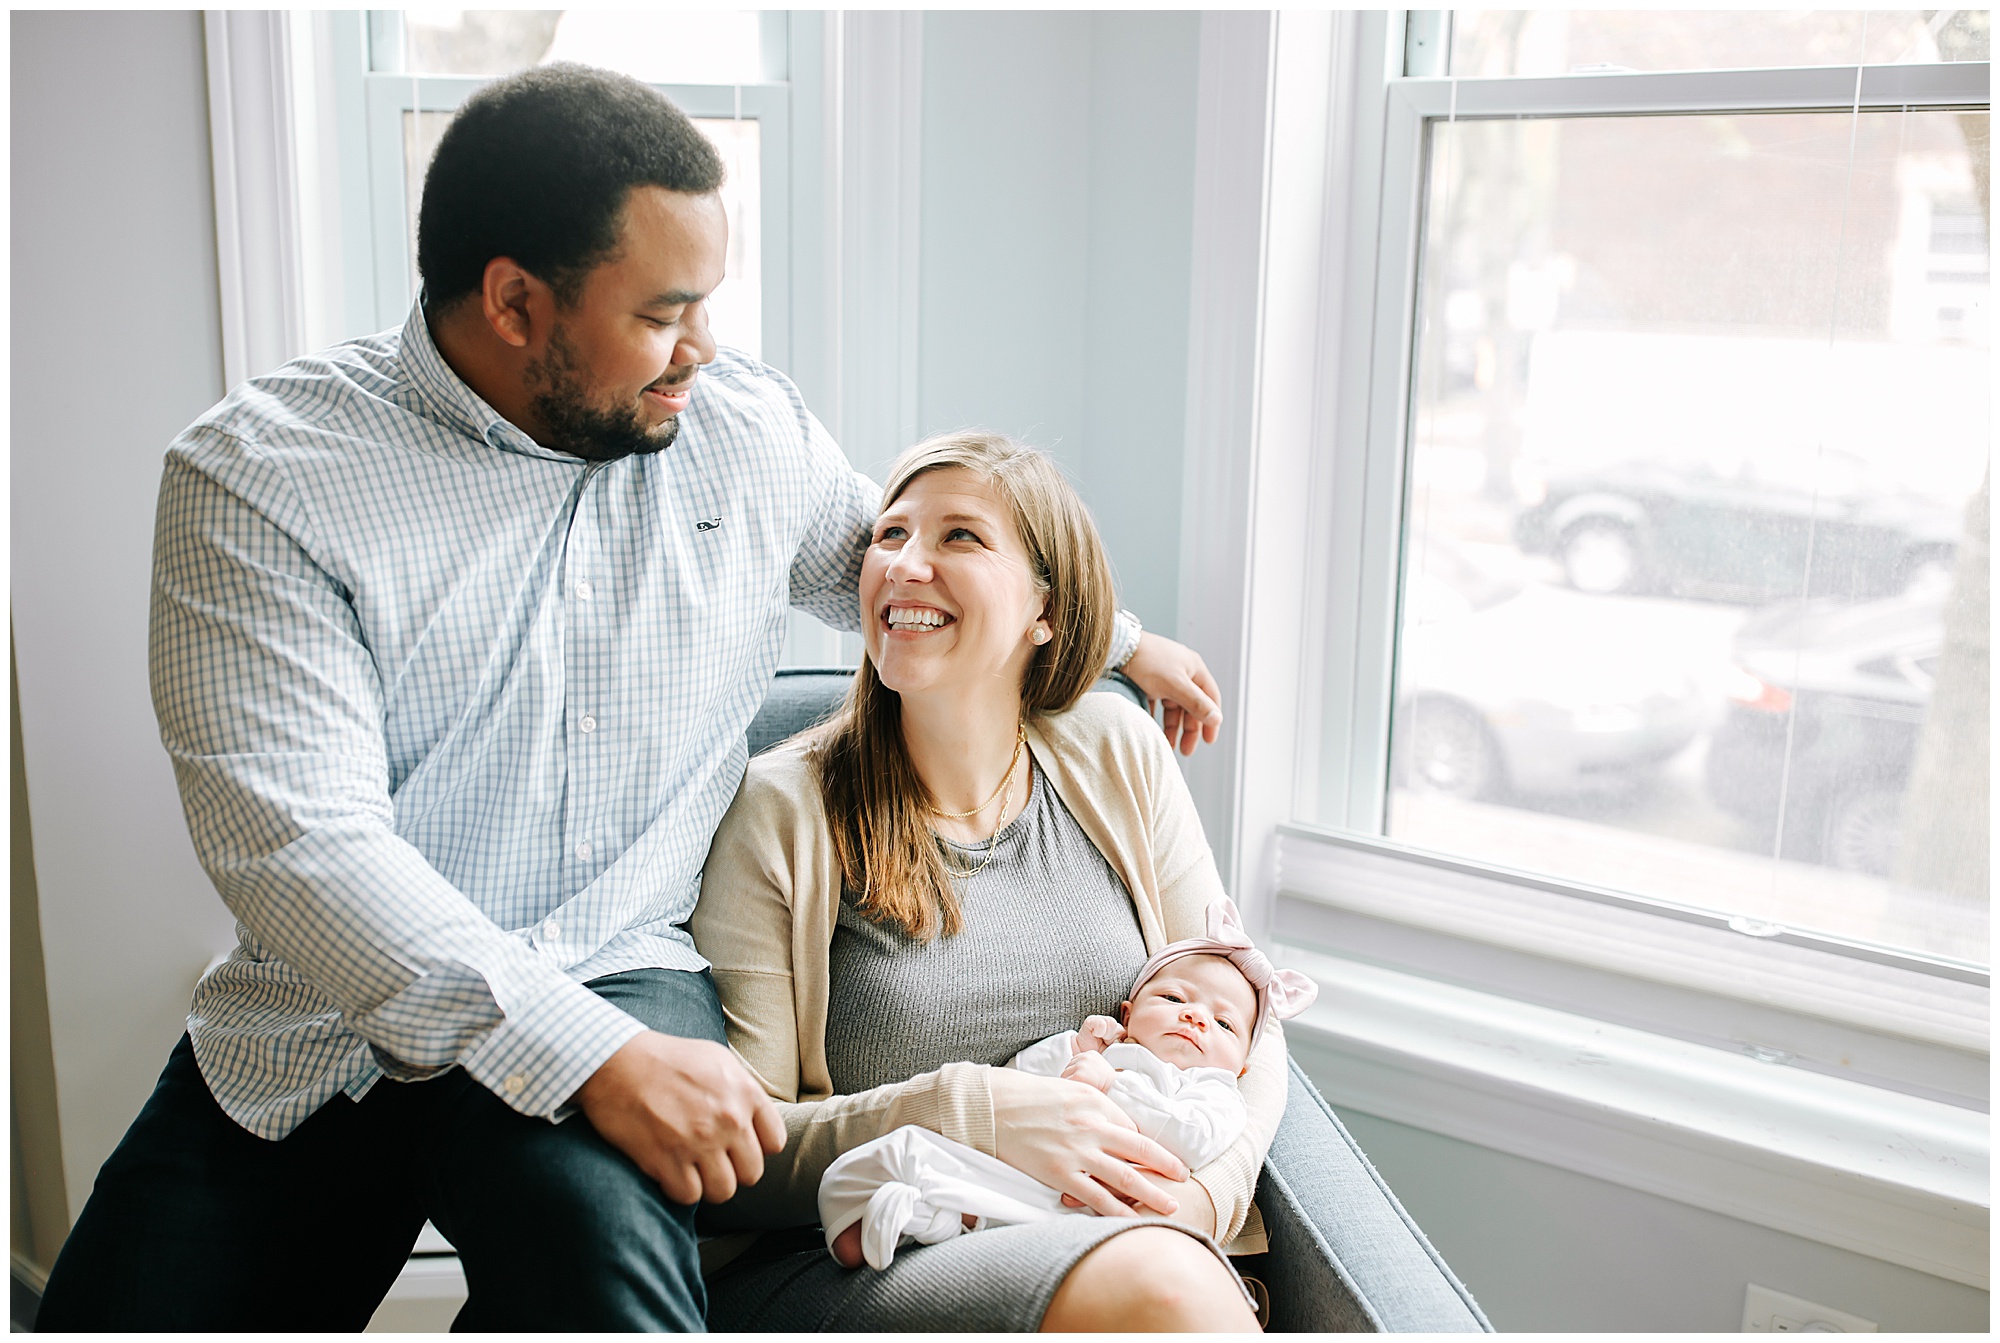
{"x":804,"y":696}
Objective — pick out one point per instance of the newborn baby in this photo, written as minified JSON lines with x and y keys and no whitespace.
{"x":1170,"y":1061}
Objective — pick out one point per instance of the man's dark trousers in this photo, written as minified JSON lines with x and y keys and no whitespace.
{"x":197,"y":1224}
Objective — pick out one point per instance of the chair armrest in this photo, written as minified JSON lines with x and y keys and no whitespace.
{"x":1344,"y":1254}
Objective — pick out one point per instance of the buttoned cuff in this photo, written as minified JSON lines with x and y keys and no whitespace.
{"x":537,"y":1058}
{"x":1125,"y":632}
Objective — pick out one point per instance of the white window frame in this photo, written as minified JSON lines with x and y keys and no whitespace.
{"x":312,"y":234}
{"x":1310,"y":168}
{"x":1363,"y":615}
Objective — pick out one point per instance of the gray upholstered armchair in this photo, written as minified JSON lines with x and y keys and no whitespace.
{"x":1344,"y":1255}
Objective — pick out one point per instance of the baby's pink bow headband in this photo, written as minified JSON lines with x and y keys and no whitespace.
{"x":1280,"y":993}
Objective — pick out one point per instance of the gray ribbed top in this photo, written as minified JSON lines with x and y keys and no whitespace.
{"x":1049,"y":937}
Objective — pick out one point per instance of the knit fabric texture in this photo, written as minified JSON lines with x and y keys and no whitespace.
{"x":998,"y":1281}
{"x":1049,"y":938}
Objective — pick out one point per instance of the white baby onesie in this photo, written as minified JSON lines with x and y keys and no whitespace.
{"x":1195,"y":1113}
{"x":918,"y":1184}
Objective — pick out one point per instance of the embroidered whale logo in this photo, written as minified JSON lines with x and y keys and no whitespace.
{"x":708,"y":524}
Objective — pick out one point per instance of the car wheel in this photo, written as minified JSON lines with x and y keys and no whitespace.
{"x":1600,"y":558}
{"x":1862,"y":828}
{"x":1446,"y":749}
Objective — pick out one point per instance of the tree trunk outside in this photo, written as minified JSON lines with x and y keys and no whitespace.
{"x":1947,"y":810}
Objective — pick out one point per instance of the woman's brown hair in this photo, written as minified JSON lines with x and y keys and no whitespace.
{"x":877,"y":807}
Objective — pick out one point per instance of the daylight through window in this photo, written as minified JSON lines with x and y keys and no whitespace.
{"x":1694,"y":596}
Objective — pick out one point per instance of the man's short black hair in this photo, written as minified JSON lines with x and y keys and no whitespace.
{"x":537,"y":167}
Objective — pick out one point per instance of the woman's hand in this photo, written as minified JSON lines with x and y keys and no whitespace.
{"x":1197,"y":1208}
{"x":1073,"y":1139}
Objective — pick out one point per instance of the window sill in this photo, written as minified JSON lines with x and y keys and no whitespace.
{"x":1896,"y":1177}
{"x":1790,"y":997}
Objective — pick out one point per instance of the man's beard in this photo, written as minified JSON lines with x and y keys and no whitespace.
{"x":575,"y":426}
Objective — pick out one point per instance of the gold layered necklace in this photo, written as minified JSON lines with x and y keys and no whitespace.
{"x":992,"y":840}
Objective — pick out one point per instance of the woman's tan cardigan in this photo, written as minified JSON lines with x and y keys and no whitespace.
{"x":769,"y":900}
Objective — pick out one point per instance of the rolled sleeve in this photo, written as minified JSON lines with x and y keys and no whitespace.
{"x":827,"y":568}
{"x":1125,"y":634}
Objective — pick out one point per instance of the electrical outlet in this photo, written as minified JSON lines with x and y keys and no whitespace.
{"x":1769,"y":1312}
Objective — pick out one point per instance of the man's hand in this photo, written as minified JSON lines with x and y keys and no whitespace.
{"x":687,"y":1112}
{"x":1098,"y":1033}
{"x":1177,"y":682}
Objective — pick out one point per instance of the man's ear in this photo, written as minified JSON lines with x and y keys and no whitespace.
{"x":512,"y":300}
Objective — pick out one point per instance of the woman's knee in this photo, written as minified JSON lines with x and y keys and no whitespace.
{"x":1149,"y":1279}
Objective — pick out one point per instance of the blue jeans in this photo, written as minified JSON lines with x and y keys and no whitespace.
{"x":197,"y":1224}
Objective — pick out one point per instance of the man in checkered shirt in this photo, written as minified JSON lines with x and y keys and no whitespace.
{"x":457,"y":630}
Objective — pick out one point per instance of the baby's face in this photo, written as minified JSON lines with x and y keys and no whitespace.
{"x":1196,"y":1013}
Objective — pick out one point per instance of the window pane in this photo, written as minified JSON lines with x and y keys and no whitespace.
{"x":476,"y":41}
{"x":661,"y":47}
{"x":1700,"y":419}
{"x":677,"y":46}
{"x":736,"y":308}
{"x":1554,"y":42}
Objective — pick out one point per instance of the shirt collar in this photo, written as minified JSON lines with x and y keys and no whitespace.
{"x":455,"y":404}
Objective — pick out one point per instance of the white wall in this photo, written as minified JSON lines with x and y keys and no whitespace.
{"x":1142,"y":103}
{"x":1058,"y":188}
{"x":1543,"y":1249}
{"x":116,"y":346}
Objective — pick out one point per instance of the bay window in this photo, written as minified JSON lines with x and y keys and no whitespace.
{"x":1606,"y":576}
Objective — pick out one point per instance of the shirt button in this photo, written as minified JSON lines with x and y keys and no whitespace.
{"x":584,"y":591}
{"x":516,"y":1084}
{"x":587,"y":723}
{"x":552,"y":930}
{"x":583,"y":851}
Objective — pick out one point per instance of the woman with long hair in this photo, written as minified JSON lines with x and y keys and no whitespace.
{"x":972,"y":855}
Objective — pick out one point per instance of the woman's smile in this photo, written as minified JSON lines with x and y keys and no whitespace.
{"x":913,"y":619}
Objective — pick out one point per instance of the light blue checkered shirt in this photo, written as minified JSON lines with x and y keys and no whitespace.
{"x":454,"y":716}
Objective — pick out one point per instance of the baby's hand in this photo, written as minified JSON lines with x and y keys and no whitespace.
{"x":1091,"y":1070}
{"x":1098,"y":1033}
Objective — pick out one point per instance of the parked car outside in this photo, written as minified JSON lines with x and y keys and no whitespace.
{"x":1736,"y":531}
{"x":1840,"y":690}
{"x":1508,"y":688}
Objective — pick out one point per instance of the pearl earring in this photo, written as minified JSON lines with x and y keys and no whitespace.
{"x":1041,"y":636}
